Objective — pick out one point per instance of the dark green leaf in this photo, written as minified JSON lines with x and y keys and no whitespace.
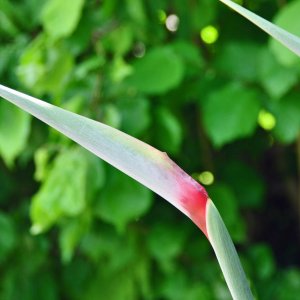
{"x":240,"y":60}
{"x":230,"y":113}
{"x":246,"y":182}
{"x":121,"y":208}
{"x":263,"y":261}
{"x":166,"y":241}
{"x":287,"y":113}
{"x":160,"y":70}
{"x":227,"y":204}
{"x":131,"y":110}
{"x":7,"y":236}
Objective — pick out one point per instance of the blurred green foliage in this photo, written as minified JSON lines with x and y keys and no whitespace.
{"x":97,"y":234}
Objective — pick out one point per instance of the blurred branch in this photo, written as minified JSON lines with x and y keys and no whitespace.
{"x":105,"y":29}
{"x":281,"y":3}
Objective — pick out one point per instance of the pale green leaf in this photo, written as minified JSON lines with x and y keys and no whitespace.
{"x":41,"y":159}
{"x":60,"y":18}
{"x":14,"y":131}
{"x":226,"y":255}
{"x":64,"y":191}
{"x":145,"y":164}
{"x":45,"y":68}
{"x":151,"y":167}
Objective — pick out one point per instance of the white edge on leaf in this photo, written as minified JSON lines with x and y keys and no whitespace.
{"x":289,"y":40}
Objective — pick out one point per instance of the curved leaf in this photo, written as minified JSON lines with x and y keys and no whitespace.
{"x":287,"y":39}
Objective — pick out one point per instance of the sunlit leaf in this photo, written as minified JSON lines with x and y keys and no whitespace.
{"x":14,"y":131}
{"x":63,"y":193}
{"x":60,"y":18}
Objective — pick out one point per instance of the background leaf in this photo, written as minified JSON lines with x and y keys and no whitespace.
{"x":65,"y":191}
{"x":230,"y":113}
{"x":14,"y":131}
{"x":7,"y":237}
{"x":236,"y":54}
{"x":170,"y":132}
{"x":120,"y":208}
{"x":275,"y":78}
{"x":159,"y":71}
{"x":60,"y":18}
{"x":288,"y":122}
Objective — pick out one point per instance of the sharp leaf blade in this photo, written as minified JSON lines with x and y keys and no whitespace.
{"x":289,"y":40}
{"x":149,"y":166}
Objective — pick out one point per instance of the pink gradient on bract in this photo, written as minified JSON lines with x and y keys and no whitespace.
{"x":147,"y":165}
{"x":193,"y":198}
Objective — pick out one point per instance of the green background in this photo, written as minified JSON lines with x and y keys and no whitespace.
{"x":72,"y":227}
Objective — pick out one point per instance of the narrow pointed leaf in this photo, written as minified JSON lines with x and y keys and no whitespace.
{"x":150,"y":167}
{"x":135,"y":158}
{"x":289,"y":40}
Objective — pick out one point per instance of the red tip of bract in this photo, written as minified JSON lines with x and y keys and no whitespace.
{"x":194,"y":199}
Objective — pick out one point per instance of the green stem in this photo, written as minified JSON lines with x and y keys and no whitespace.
{"x":227,"y":256}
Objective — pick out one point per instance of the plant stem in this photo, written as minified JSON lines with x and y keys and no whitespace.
{"x":227,"y":256}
